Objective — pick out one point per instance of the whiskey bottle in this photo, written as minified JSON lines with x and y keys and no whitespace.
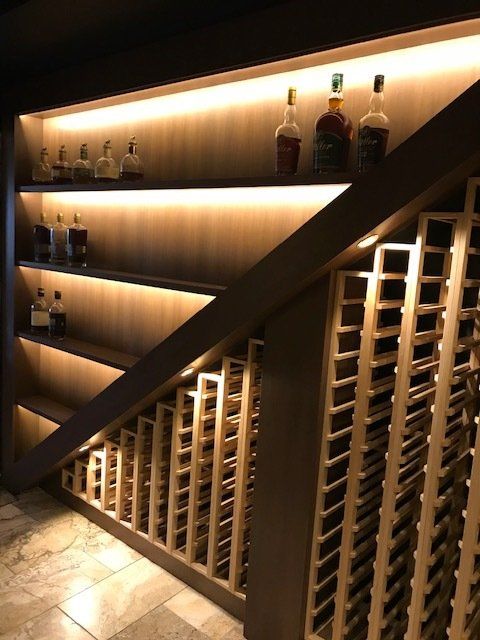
{"x":39,"y":318}
{"x":106,"y":169}
{"x":41,"y":240}
{"x":62,"y":170}
{"x":77,"y":243}
{"x":58,"y":239}
{"x":333,"y":133}
{"x":42,"y":172}
{"x":131,"y":167}
{"x":373,"y":130}
{"x":288,"y":139}
{"x":57,"y":318}
{"x":82,"y":170}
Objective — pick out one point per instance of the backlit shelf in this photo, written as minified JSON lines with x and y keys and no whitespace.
{"x":131,"y":278}
{"x":47,"y":408}
{"x":96,"y":353}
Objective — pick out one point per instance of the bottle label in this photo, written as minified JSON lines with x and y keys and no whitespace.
{"x":81,"y":172}
{"x":76,"y":250}
{"x":372,"y":146}
{"x":57,"y":250}
{"x":57,"y":325}
{"x":106,"y":171}
{"x":61,"y":172}
{"x":39,"y":319}
{"x":42,"y":248}
{"x":328,"y":151}
{"x":288,"y":151}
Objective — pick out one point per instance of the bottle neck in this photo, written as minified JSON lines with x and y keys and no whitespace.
{"x":289,"y":114}
{"x":107,"y":152}
{"x":335,"y":101}
{"x":83,"y":154}
{"x":62,"y":156}
{"x":376,"y":102}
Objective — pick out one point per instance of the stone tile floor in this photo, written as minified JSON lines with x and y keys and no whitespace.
{"x":62,"y":578}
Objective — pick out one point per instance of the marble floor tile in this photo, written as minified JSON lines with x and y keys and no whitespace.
{"x":37,"y":589}
{"x":5,"y":497}
{"x":40,"y":506}
{"x":202,"y":614}
{"x":5,"y":572}
{"x":160,"y":624}
{"x":110,"y":551}
{"x":39,"y":541}
{"x":115,"y":603}
{"x":11,"y":517}
{"x":51,"y":625}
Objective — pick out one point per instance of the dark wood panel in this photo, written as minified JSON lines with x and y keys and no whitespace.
{"x":227,"y":600}
{"x":47,"y":408}
{"x":219,"y":183}
{"x":285,"y":476}
{"x":132,"y":278}
{"x":84,"y":349}
{"x":423,"y":169}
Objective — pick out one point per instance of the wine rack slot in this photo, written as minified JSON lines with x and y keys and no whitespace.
{"x":182,"y":475}
{"x":401,"y":559}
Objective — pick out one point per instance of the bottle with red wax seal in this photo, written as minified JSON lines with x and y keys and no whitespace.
{"x":288,"y":139}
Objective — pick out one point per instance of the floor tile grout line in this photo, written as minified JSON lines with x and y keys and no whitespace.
{"x":76,"y":622}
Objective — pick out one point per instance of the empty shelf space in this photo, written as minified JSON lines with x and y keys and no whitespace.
{"x":47,"y":408}
{"x":94,"y":352}
{"x":211,"y":183}
{"x":132,"y":278}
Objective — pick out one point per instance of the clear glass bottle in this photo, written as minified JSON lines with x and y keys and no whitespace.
{"x":288,"y":139}
{"x":42,"y":172}
{"x":58,"y":241}
{"x":61,"y":169}
{"x":57,"y":318}
{"x":131,"y":166}
{"x":373,"y":129}
{"x":41,"y":239}
{"x":77,"y":243}
{"x":106,"y":169}
{"x":82,"y":170}
{"x":333,"y":133}
{"x":39,"y":319}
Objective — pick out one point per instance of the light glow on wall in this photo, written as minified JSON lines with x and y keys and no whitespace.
{"x":315,"y":195}
{"x":427,"y":59}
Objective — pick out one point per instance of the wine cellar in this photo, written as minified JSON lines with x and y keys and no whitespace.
{"x":268,"y":384}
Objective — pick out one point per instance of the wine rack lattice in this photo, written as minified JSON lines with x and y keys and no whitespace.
{"x":402,"y":560}
{"x":183,"y":475}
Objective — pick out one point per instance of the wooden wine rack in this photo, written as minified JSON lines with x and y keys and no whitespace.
{"x":183,"y":475}
{"x":402,"y":560}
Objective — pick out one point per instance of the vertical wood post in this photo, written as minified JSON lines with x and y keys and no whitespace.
{"x":288,"y":449}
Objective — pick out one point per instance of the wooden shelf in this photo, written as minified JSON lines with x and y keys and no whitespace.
{"x":47,"y":408}
{"x":132,"y":278}
{"x":210,"y":183}
{"x":94,"y":352}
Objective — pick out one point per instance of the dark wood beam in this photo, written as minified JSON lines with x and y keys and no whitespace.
{"x":423,"y":169}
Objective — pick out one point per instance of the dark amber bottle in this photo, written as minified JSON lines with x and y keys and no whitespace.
{"x":333,"y":133}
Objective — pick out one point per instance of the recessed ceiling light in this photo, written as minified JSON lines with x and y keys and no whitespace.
{"x":187,"y":372}
{"x":368,"y":241}
{"x":84,"y":448}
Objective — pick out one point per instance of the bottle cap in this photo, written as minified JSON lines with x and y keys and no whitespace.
{"x":62,"y":152}
{"x":337,"y":82}
{"x":59,"y":217}
{"x":77,"y":217}
{"x":292,"y":95}
{"x":378,"y":83}
{"x":58,"y":295}
{"x":107,"y":144}
{"x":43,"y":217}
{"x":41,"y":292}
{"x":83,"y":150}
{"x":44,"y":151}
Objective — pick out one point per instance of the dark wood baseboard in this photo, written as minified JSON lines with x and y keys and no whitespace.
{"x":231,"y":603}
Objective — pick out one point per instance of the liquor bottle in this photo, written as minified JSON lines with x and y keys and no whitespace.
{"x":77,"y":243}
{"x":58,"y":240}
{"x":333,"y":133}
{"x":61,"y":169}
{"x":39,"y":318}
{"x":57,"y":318}
{"x":106,"y":169}
{"x":288,"y":139}
{"x":42,"y":172}
{"x":82,"y":170}
{"x":131,"y":167}
{"x":41,"y":240}
{"x":373,"y":130}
